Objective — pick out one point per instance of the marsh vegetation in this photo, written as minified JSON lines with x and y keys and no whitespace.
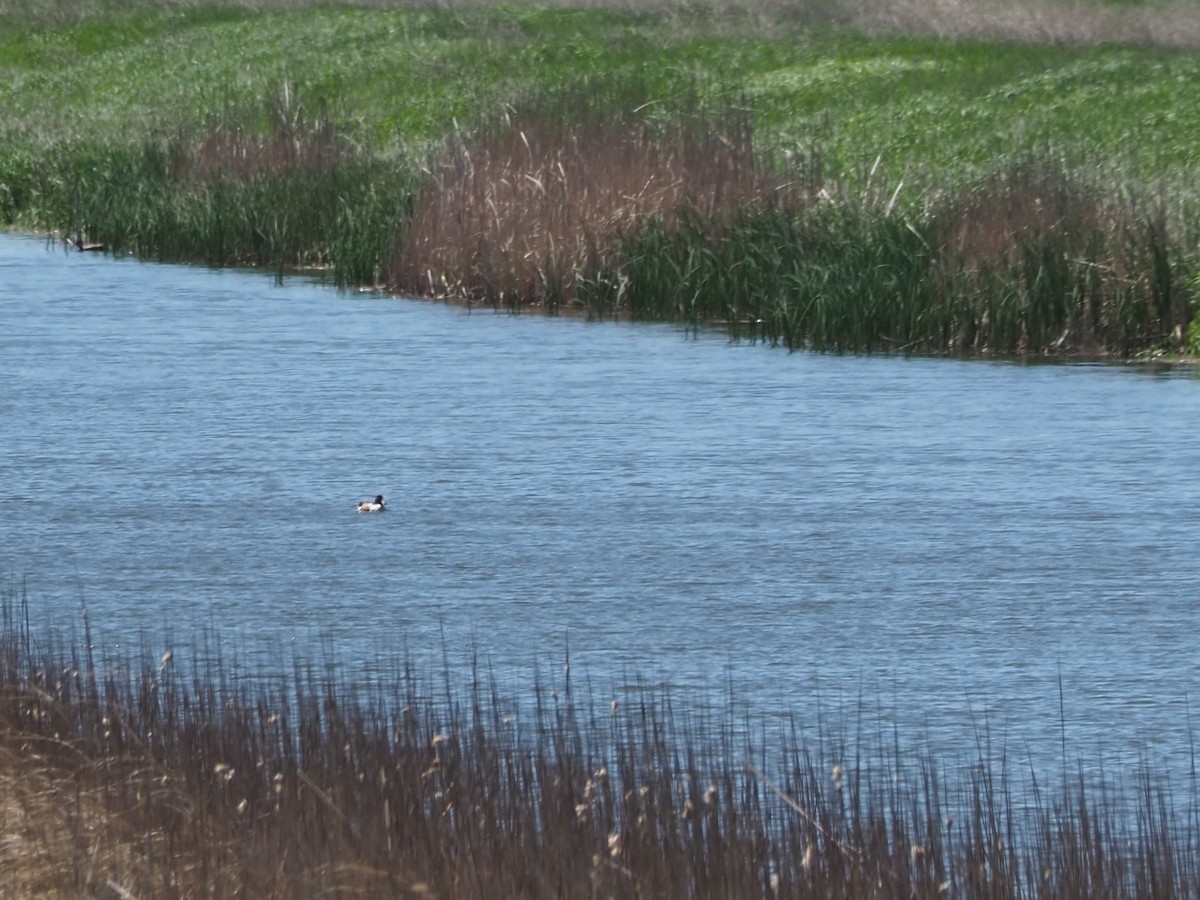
{"x":861,"y":178}
{"x":132,"y":776}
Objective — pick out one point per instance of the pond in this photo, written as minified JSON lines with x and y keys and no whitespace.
{"x":952,"y":545}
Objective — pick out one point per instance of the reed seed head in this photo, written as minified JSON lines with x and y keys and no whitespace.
{"x":614,"y":844}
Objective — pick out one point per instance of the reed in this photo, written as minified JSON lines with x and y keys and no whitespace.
{"x":128,"y":776}
{"x":298,"y":196}
{"x":530,"y":210}
{"x":691,"y":224}
{"x":1041,"y":262}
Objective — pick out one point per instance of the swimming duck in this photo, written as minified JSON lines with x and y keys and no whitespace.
{"x":375,"y":505}
{"x":85,"y":247}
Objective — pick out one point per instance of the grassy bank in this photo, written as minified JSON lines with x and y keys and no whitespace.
{"x":860,"y":177}
{"x":147,"y":777}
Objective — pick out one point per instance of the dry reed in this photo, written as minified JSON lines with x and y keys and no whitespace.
{"x":128,"y":777}
{"x":531,"y":212}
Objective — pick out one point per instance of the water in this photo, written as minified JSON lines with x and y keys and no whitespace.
{"x":181,"y":451}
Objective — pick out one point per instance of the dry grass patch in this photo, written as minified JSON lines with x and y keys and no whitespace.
{"x":1143,"y":24}
{"x":58,"y":837}
{"x":1152,"y":24}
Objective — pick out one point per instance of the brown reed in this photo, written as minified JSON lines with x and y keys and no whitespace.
{"x":127,"y":777}
{"x":1040,"y":262}
{"x":235,"y":146}
{"x":534,"y":207}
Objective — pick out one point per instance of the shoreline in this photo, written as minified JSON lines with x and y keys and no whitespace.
{"x":844,"y":190}
{"x":740,"y":332}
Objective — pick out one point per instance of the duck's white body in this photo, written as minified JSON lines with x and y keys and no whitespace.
{"x":375,"y":505}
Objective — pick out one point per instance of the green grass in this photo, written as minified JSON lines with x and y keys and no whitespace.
{"x":400,"y":78}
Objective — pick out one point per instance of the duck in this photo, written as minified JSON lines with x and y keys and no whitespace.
{"x":85,"y":247}
{"x":375,"y":505}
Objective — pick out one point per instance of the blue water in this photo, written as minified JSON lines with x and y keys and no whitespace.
{"x":181,"y":452}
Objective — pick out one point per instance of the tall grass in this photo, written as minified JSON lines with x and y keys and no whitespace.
{"x":145,"y":777}
{"x":668,"y":214}
{"x":691,"y":223}
{"x":298,"y":196}
{"x":1028,"y":263}
{"x":1041,"y":262}
{"x":528,"y":212}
